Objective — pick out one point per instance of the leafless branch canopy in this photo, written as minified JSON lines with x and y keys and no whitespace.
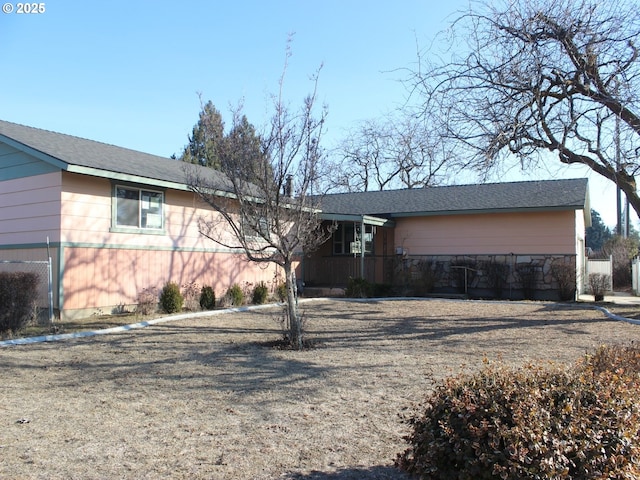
{"x":560,"y":76}
{"x":401,"y":151}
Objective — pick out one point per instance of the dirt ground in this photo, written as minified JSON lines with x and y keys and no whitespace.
{"x":207,"y":398}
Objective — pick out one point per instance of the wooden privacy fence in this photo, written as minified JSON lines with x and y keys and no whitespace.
{"x":635,"y":275}
{"x":603,"y":266}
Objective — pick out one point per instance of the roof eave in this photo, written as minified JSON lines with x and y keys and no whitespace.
{"x":485,"y":211}
{"x":367,"y":219}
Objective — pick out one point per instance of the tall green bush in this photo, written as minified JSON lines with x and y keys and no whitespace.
{"x":532,"y":423}
{"x":18,"y":294}
{"x":171,"y":299}
{"x":236,"y":295}
{"x":260,"y":294}
{"x":207,"y":298}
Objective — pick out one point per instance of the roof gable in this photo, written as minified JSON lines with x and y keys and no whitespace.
{"x":457,"y":199}
{"x":89,"y":157}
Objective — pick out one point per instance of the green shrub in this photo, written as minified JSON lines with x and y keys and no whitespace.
{"x":358,"y":288}
{"x":207,"y":298}
{"x":18,"y":294}
{"x":532,"y":422}
{"x":236,"y":295}
{"x":171,"y":299}
{"x":260,"y":294}
{"x":281,"y":292}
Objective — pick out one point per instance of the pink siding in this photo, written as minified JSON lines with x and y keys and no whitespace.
{"x":86,"y":217}
{"x":103,"y":268}
{"x":498,"y":233}
{"x":96,"y":277}
{"x":30,"y":209}
{"x":86,"y":209}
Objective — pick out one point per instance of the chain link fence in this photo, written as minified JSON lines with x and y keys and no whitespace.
{"x":42,"y":268}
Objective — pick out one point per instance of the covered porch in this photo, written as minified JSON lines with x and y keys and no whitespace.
{"x":361,"y":246}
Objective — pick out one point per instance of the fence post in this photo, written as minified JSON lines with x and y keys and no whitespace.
{"x":50,"y":273}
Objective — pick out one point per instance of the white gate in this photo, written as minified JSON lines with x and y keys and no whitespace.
{"x":598,"y":265}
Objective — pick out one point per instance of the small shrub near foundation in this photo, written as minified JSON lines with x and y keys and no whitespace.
{"x":18,"y":293}
{"x":281,"y":292}
{"x":147,"y":301}
{"x":260,"y":294}
{"x":358,"y":288}
{"x":532,"y":423}
{"x":190,"y":294}
{"x":565,"y":275}
{"x":236,"y":295}
{"x":171,"y":300}
{"x":598,"y":285}
{"x":207,"y":298}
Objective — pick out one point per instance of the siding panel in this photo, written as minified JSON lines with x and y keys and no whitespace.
{"x":30,"y":209}
{"x":528,"y":233}
{"x":96,"y":278}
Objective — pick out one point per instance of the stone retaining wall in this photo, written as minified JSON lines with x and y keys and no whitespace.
{"x":539,"y":277}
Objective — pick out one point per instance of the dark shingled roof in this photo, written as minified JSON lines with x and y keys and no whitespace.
{"x":106,"y":160}
{"x":100,"y":156}
{"x":515,"y":196}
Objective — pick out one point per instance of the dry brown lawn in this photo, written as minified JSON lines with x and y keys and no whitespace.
{"x":207,"y":398}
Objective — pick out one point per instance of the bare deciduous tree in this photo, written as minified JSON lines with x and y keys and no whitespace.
{"x":558,"y":76}
{"x":397,"y":152}
{"x":267,"y":209}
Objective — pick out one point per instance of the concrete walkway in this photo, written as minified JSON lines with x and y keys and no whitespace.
{"x":618,"y":298}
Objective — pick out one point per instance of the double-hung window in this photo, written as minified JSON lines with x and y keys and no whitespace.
{"x":138,"y":208}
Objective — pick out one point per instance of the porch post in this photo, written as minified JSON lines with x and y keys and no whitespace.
{"x":362,"y":249}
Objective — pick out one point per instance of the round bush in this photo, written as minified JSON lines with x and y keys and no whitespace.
{"x":281,"y":292}
{"x":260,"y":294}
{"x":532,"y":423}
{"x":236,"y":295}
{"x":171,"y":300}
{"x":207,"y":298}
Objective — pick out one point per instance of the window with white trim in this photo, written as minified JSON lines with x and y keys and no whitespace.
{"x":138,"y":208}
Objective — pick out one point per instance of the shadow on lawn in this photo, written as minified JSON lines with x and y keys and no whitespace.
{"x":373,"y":473}
{"x":234,"y":357}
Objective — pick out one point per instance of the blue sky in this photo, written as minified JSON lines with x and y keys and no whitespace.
{"x":129,"y":72}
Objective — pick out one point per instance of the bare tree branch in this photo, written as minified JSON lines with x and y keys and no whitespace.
{"x":269,"y":208}
{"x":545,"y":75}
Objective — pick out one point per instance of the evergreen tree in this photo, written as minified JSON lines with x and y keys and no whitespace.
{"x":598,"y":233}
{"x":206,"y":142}
{"x":238,"y":152}
{"x":243,"y":153}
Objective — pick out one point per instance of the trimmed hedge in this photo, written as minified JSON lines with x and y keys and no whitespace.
{"x":532,"y":423}
{"x":18,"y":294}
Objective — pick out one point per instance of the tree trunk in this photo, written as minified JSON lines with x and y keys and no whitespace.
{"x":295,"y":326}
